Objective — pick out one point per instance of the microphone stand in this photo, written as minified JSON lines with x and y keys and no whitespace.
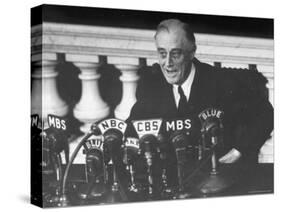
{"x":129,"y":166}
{"x":167,"y":190}
{"x":164,"y":147}
{"x":53,"y":158}
{"x":64,"y":200}
{"x":147,"y":144}
{"x":148,"y":157}
{"x":181,"y":194}
{"x":214,"y":183}
{"x":116,"y":193}
{"x":214,"y":170}
{"x":133,"y":186}
{"x":94,"y":189}
{"x":201,"y":147}
{"x":180,"y":142}
{"x":56,"y":159}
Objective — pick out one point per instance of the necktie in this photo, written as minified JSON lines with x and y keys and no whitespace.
{"x":182,"y":107}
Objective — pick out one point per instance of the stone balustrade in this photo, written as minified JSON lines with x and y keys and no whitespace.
{"x":83,"y":45}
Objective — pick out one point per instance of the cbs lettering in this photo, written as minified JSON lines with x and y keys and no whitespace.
{"x":147,"y":126}
{"x":151,"y":126}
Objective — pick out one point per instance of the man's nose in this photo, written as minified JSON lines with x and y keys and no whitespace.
{"x":169,"y":61}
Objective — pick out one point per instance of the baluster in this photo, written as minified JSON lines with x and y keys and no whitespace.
{"x":91,"y":107}
{"x":129,"y":80}
{"x":44,"y":95}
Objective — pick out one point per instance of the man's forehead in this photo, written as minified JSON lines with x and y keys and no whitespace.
{"x":171,"y":32}
{"x":174,"y":38}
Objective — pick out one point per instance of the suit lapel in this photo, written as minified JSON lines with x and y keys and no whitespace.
{"x":202,"y":93}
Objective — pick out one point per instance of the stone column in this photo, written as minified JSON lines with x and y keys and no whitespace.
{"x":129,"y":80}
{"x":44,"y":95}
{"x":91,"y":107}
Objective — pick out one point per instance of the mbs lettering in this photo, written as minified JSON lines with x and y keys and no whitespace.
{"x":56,"y":122}
{"x":178,"y":125}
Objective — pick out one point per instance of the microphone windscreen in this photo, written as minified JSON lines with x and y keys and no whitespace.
{"x":112,"y":139}
{"x":95,"y":158}
{"x":148,"y":143}
{"x":212,"y":126}
{"x":180,"y":140}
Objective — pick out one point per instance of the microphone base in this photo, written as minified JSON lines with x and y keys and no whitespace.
{"x":114,"y":197}
{"x":182,"y":195}
{"x":213,"y":184}
{"x":63,"y":201}
{"x":134,"y":188}
{"x":51,"y":193}
{"x":87,"y":192}
{"x":167,"y":192}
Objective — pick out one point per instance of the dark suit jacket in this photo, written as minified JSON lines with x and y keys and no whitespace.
{"x":248,"y":116}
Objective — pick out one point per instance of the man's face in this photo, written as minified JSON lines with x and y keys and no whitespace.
{"x":175,"y":55}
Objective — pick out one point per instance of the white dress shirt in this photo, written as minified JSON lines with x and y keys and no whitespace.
{"x":186,"y":86}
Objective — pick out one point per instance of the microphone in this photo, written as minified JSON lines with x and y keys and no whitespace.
{"x":113,"y":134}
{"x":112,"y":145}
{"x":113,"y":140}
{"x":94,"y":162}
{"x":147,"y":131}
{"x":211,"y":125}
{"x":54,"y":142}
{"x":181,"y":143}
{"x":130,"y":157}
{"x":94,"y":173}
{"x":131,"y":151}
{"x":64,"y":200}
{"x":58,"y":142}
{"x":148,"y":148}
{"x":167,"y":160}
{"x":212,"y":129}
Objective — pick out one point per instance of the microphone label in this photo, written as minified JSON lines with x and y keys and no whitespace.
{"x":35,"y":120}
{"x":210,"y":113}
{"x":175,"y":125}
{"x":144,"y":127}
{"x":132,"y":142}
{"x":94,"y":142}
{"x":112,"y":124}
{"x":56,"y":122}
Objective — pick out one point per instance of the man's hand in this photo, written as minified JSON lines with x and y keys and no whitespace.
{"x":231,"y":157}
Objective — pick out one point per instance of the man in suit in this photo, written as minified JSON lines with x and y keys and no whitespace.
{"x":182,"y":87}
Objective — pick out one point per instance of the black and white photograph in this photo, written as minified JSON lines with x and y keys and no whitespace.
{"x":137,"y":105}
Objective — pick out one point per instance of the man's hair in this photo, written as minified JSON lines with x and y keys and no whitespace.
{"x":172,"y":24}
